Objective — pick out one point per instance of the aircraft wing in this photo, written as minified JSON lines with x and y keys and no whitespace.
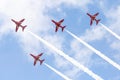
{"x":40,"y":54}
{"x":89,"y":15}
{"x":56,"y":29}
{"x":96,"y":14}
{"x":21,"y":20}
{"x":35,"y":62}
{"x":53,"y":21}
{"x":16,"y":28}
{"x":91,"y":21}
{"x":33,"y":56}
{"x":61,"y":21}
{"x":13,"y":20}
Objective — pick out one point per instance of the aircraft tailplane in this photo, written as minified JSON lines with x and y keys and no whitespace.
{"x":97,"y":21}
{"x":41,"y":61}
{"x":63,"y":28}
{"x":23,"y":27}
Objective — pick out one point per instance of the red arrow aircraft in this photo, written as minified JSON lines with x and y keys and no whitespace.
{"x":18,"y":24}
{"x":93,"y":18}
{"x":58,"y":24}
{"x":37,"y":58}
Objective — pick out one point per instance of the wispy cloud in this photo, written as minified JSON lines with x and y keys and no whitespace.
{"x":110,"y":31}
{"x":96,"y":51}
{"x":113,"y":19}
{"x":39,"y":22}
{"x":59,"y":73}
{"x":36,"y":20}
{"x":74,"y":62}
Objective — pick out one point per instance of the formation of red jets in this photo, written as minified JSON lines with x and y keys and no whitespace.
{"x":58,"y":25}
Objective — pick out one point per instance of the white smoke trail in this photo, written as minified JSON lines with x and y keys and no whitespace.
{"x":74,"y":62}
{"x":56,"y":71}
{"x":110,"y":31}
{"x":96,"y":51}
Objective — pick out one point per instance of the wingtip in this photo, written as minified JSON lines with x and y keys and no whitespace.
{"x":12,"y":20}
{"x":51,"y":20}
{"x":62,"y":19}
{"x":41,"y":53}
{"x":34,"y":64}
{"x":23,"y":18}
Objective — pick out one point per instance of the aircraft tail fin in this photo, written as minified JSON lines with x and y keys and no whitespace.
{"x":97,"y":21}
{"x":23,"y":27}
{"x":41,"y":61}
{"x":63,"y":28}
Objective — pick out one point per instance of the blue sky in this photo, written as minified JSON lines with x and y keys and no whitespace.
{"x":15,"y":61}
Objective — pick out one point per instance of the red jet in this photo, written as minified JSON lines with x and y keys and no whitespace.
{"x":58,"y":24}
{"x":36,"y":58}
{"x":93,"y":17}
{"x":18,"y":24}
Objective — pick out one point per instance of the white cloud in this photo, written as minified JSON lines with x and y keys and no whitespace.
{"x":113,"y":16}
{"x":74,"y":73}
{"x":38,"y":22}
{"x":117,"y":57}
{"x":116,"y":45}
{"x":96,"y":33}
{"x":75,"y":3}
{"x":82,"y":54}
{"x":33,"y":12}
